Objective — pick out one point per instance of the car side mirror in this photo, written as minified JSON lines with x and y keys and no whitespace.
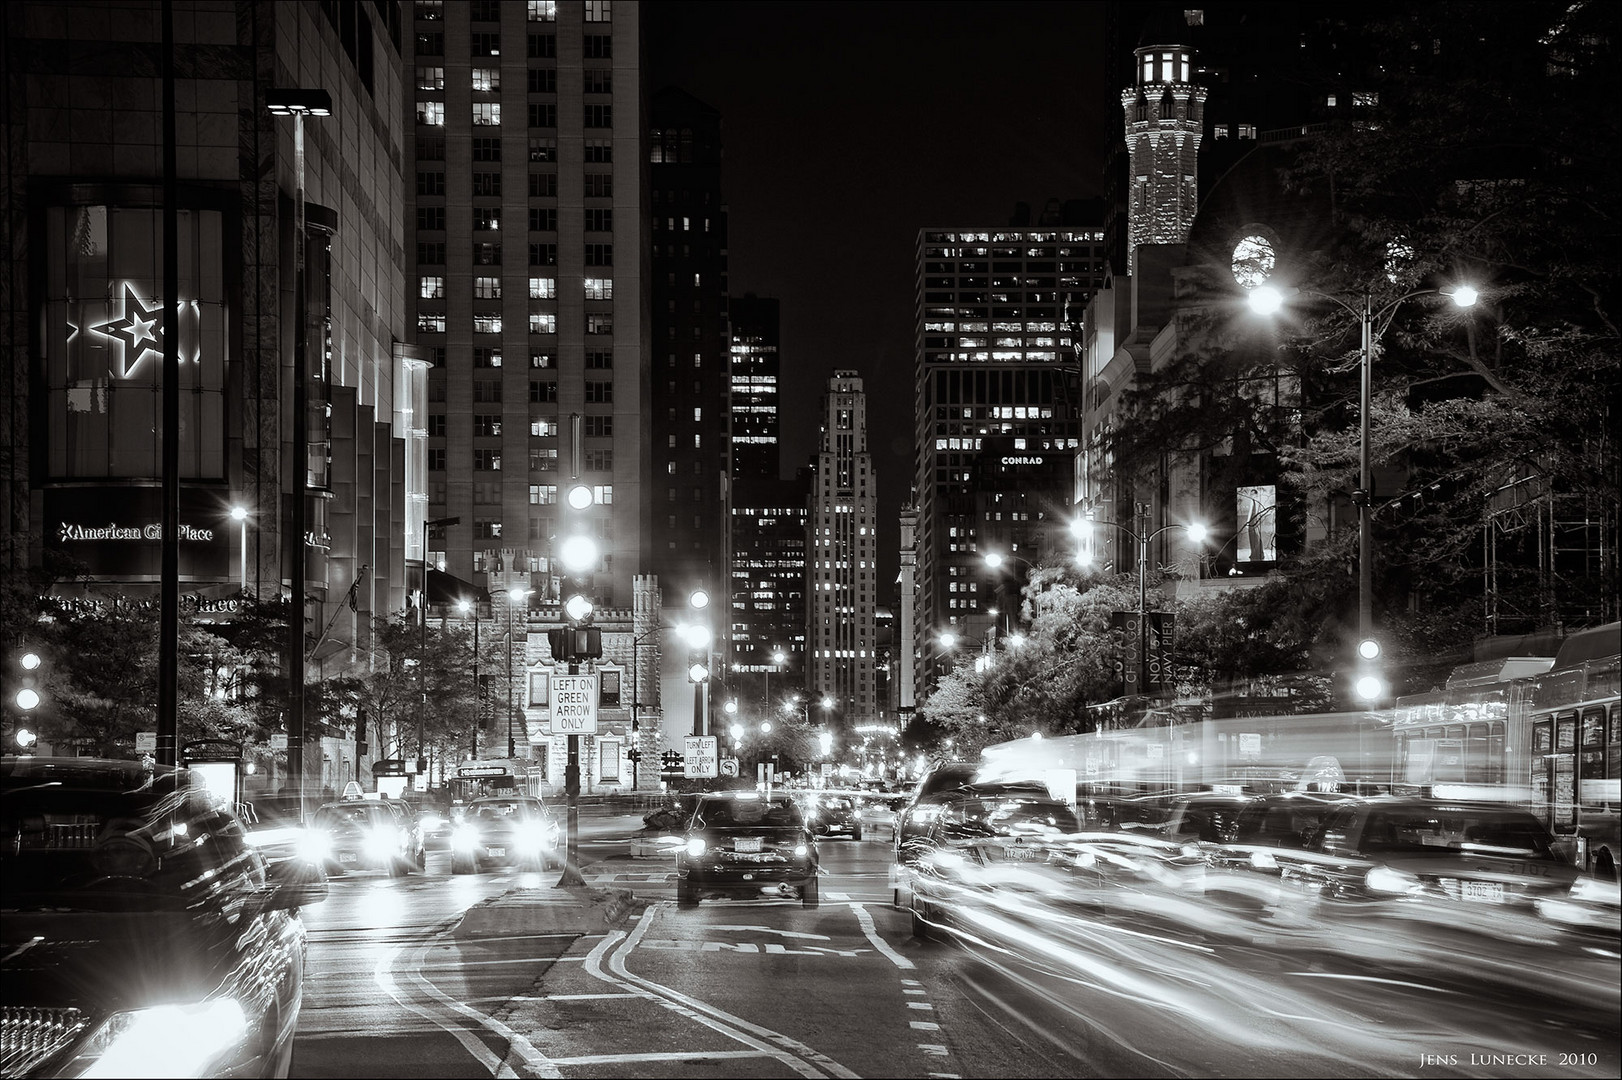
{"x":293,"y":883}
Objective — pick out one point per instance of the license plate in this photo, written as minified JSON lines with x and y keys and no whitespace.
{"x":744,"y":857}
{"x":498,"y":852}
{"x":748,"y":843}
{"x":348,"y":857}
{"x":1482,"y":892}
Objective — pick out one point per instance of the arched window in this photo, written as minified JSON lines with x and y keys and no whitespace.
{"x":1167,"y":107}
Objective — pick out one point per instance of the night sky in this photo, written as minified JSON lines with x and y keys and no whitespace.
{"x":848,"y":127}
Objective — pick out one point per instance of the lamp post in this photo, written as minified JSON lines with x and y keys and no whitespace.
{"x":464,"y":607}
{"x":1266,"y":300}
{"x":298,"y":104}
{"x":699,"y":637}
{"x":239,"y":514}
{"x":1196,"y":532}
{"x":422,"y":610}
{"x":514,"y":596}
{"x":777,"y":659}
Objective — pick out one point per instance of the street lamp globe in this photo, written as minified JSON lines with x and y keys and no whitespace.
{"x":580,"y":496}
{"x":778,"y":657}
{"x":737,"y":732}
{"x":731,"y":707}
{"x":1265,"y":300}
{"x":697,"y":635}
{"x":1464,"y":296}
{"x":698,"y":600}
{"x":765,"y":727}
{"x":948,"y":639}
{"x":239,"y":513}
{"x":1197,"y":532}
{"x":1369,"y":688}
{"x":579,"y":553}
{"x":994,"y":559}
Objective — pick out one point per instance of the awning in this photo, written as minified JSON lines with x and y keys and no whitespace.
{"x":446,"y":588}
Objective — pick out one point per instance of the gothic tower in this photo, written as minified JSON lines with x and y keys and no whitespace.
{"x":1165,"y":112}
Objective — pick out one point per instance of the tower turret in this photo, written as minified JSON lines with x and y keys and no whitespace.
{"x":1165,"y":113}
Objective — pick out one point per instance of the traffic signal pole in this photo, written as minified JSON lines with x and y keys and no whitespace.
{"x":577,"y":617}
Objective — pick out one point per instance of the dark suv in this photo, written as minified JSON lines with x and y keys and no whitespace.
{"x":743,"y":843}
{"x":142,"y":935}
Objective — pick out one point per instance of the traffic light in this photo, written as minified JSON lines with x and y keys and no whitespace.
{"x":634,"y":754}
{"x":575,"y":643}
{"x":28,"y":695}
{"x":1368,"y":685}
{"x":578,"y":552}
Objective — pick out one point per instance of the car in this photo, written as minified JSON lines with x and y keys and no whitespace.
{"x":433,"y":816}
{"x":506,"y":830}
{"x":142,"y":934}
{"x":746,"y":843}
{"x":1399,"y":848}
{"x":410,"y":820}
{"x":981,"y":833}
{"x":274,"y":825}
{"x":914,"y":816}
{"x":828,"y":814}
{"x":362,"y":834}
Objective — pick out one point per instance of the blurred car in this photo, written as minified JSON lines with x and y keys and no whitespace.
{"x":980,"y":834}
{"x":362,"y":834}
{"x":142,"y":935}
{"x":515,"y":830}
{"x":1394,"y":848}
{"x":433,"y":810}
{"x":876,"y":813}
{"x":914,"y":816}
{"x":274,"y":825}
{"x":417,"y":840}
{"x":827,"y":814}
{"x":1237,"y":831}
{"x":746,"y":844}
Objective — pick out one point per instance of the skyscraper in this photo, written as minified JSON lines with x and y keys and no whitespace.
{"x":756,"y":379}
{"x":842,"y":579}
{"x":527,"y":231}
{"x":685,"y":516}
{"x":999,"y":313}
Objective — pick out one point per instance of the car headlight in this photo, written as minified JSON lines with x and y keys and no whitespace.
{"x":382,"y":843}
{"x":464,"y":837}
{"x":166,"y":1040}
{"x":533,"y":837}
{"x":1263,"y":860}
{"x":695,"y":846}
{"x":431,"y":822}
{"x":800,"y":851}
{"x":315,"y":845}
{"x":1383,"y":879}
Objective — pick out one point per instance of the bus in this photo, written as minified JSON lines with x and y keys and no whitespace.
{"x":494,"y":777}
{"x":1546,"y":726}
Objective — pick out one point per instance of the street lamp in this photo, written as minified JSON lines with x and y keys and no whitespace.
{"x":298,"y":104}
{"x":1266,"y":300}
{"x":1083,"y":530}
{"x":464,"y":606}
{"x":777,"y":661}
{"x":422,"y":610}
{"x":514,"y":596}
{"x":239,"y":514}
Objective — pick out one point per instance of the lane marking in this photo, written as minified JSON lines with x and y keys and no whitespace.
{"x":773,"y":930}
{"x":839,"y":897}
{"x":799,"y":1056}
{"x":933,"y":1049}
{"x":533,"y":1059}
{"x":879,"y":943}
{"x":594,"y":968}
{"x":924,"y":1025}
{"x":621,"y":1059}
{"x":921,"y":1005}
{"x":910,"y":990}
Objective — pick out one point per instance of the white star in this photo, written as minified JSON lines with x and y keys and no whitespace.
{"x":137,"y":326}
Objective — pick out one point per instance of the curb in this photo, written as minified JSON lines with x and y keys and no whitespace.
{"x":547,"y":911}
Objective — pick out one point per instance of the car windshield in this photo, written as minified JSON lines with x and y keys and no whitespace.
{"x":1214,"y":822}
{"x":978,"y":818}
{"x":734,"y":813}
{"x":835,"y":804}
{"x":504,"y":809}
{"x":337,"y":815}
{"x":1280,"y":822}
{"x":1453,"y":828}
{"x":159,"y":846}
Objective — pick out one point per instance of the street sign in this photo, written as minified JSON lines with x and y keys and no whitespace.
{"x":702,"y":760}
{"x":827,"y":768}
{"x":146,"y":742}
{"x":1250,"y":742}
{"x":278,"y":740}
{"x":729,"y":766}
{"x":574,"y":705}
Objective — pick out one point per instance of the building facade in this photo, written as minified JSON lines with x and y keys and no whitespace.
{"x":526,"y":212}
{"x":999,"y":315}
{"x":86,"y":325}
{"x":842,"y":578}
{"x":757,"y":370}
{"x":686,"y":513}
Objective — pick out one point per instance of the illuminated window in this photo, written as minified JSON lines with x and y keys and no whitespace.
{"x":431,"y":113}
{"x":541,"y":322}
{"x":543,"y":10}
{"x":487,"y":460}
{"x":543,"y":288}
{"x":431,"y":287}
{"x":487,"y":288}
{"x":430,"y":78}
{"x":599,"y":288}
{"x":487,"y":324}
{"x":487,"y":113}
{"x":487,"y":218}
{"x":486,"y":78}
{"x":431,"y":322}
{"x":599,"y":11}
{"x":486,"y":358}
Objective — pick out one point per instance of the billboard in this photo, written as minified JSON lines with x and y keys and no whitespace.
{"x":1257,"y":520}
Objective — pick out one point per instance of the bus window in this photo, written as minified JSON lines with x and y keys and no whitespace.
{"x":1496,"y":771}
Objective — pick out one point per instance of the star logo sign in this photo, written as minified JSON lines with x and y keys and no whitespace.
{"x":138,"y":329}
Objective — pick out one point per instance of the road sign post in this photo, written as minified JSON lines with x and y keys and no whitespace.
{"x":702,"y":760}
{"x":574,"y":704}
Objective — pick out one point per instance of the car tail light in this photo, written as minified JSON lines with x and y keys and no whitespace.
{"x":1383,"y":879}
{"x":695,"y":846}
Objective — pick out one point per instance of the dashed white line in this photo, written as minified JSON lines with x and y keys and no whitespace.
{"x":924,"y":1025}
{"x":879,"y":943}
{"x":933,"y":1049}
{"x":924,"y":1005}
